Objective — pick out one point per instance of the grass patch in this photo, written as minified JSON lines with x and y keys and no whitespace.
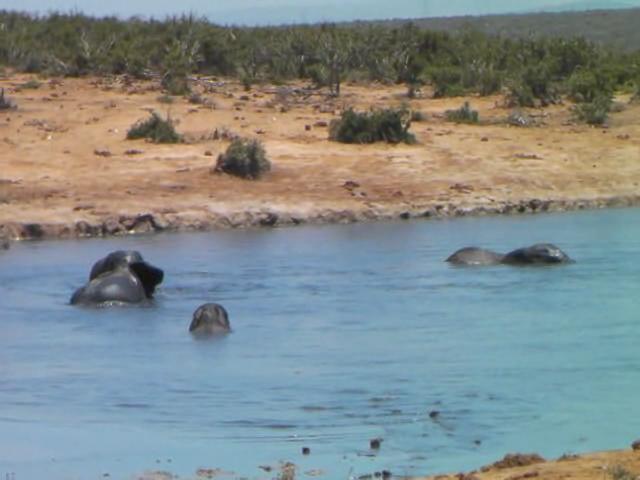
{"x":385,"y":125}
{"x":245,"y":158}
{"x":156,"y":129}
{"x":30,"y":85}
{"x":464,"y":114}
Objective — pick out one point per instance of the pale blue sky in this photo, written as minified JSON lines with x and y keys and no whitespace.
{"x":291,"y":11}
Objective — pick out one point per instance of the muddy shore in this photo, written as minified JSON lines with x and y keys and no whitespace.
{"x":68,"y":171}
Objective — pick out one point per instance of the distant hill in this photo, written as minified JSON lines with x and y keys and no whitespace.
{"x":582,"y":6}
{"x":616,"y":28}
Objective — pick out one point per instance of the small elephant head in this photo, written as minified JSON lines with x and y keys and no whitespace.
{"x":210,"y":319}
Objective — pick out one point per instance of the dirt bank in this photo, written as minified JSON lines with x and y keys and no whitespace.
{"x":613,"y":465}
{"x":67,"y":170}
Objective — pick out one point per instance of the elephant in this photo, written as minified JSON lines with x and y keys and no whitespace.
{"x":475,"y":256}
{"x":210,"y":319}
{"x":538,"y":254}
{"x":120,"y":277}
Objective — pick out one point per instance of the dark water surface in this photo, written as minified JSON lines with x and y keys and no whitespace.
{"x":341,"y":334}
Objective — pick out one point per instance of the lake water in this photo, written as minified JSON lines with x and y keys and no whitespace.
{"x":341,"y":334}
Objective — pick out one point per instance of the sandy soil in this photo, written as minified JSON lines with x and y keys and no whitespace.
{"x":66,"y":168}
{"x":613,"y":465}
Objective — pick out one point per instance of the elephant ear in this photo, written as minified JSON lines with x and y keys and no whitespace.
{"x":149,"y":275}
{"x":99,"y":268}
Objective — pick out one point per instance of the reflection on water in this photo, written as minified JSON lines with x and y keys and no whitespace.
{"x":340,"y":335}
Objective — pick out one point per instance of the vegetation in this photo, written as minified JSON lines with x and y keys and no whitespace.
{"x":618,"y":472}
{"x":385,"y":125}
{"x":245,"y":158}
{"x":533,"y":70}
{"x":30,"y":85}
{"x":156,"y":129}
{"x":463,"y":114}
{"x":595,"y":112}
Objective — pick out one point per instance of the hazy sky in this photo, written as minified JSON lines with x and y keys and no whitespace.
{"x":291,"y":11}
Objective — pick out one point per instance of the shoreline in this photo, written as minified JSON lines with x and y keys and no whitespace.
{"x":155,"y":222}
{"x":69,"y":171}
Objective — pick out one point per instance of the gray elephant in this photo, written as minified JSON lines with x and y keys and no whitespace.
{"x":475,"y":256}
{"x":210,"y":319}
{"x":120,"y":277}
{"x":538,"y":254}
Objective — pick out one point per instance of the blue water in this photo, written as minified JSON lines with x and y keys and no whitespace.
{"x":341,"y":334}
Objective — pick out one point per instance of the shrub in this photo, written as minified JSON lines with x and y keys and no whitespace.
{"x":244,"y":158}
{"x":532,"y":87}
{"x":156,"y":129}
{"x":30,"y":85}
{"x":586,"y":85}
{"x":595,"y":112}
{"x":463,"y":114}
{"x":5,"y":103}
{"x":446,"y":82}
{"x":386,"y":125}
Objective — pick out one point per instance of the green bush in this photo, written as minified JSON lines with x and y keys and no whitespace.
{"x":446,"y":82}
{"x":463,"y":114}
{"x":386,"y":125}
{"x":244,"y":158}
{"x":156,"y":129}
{"x":595,"y":112}
{"x":532,"y":87}
{"x":586,"y":85}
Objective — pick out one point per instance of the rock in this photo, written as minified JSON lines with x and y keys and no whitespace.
{"x":306,"y":450}
{"x":374,"y":443}
{"x":102,"y":152}
{"x":636,"y":445}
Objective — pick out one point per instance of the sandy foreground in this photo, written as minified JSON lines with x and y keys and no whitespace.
{"x":67,"y":170}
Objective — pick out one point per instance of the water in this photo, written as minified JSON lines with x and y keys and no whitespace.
{"x":341,"y":334}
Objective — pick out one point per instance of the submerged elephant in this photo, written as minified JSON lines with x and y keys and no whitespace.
{"x":475,"y":256}
{"x":120,"y":277}
{"x":538,"y":254}
{"x":210,"y":319}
